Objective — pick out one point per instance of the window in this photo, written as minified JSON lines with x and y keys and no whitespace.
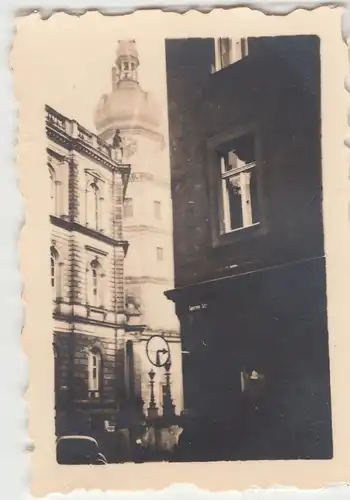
{"x":94,"y":205}
{"x":95,"y":211}
{"x":126,"y":70}
{"x":55,"y":272}
{"x":53,"y":269}
{"x":94,"y":373}
{"x":53,"y":190}
{"x":160,"y":253}
{"x":157,"y":209}
{"x":95,"y":284}
{"x":128,"y":207}
{"x":239,"y":186}
{"x":229,"y":51}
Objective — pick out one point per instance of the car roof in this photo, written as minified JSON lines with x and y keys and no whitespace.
{"x":85,"y":438}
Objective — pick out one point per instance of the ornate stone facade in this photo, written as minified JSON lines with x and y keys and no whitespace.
{"x":87,"y":276}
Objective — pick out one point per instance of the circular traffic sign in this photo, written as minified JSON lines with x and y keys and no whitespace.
{"x":158,"y":350}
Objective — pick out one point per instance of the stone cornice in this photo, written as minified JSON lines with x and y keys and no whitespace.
{"x":83,"y":319}
{"x":136,"y":280}
{"x":56,"y":130}
{"x":144,"y":228}
{"x":149,"y":177}
{"x":75,"y":226}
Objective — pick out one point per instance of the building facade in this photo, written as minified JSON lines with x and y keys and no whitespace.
{"x":130,"y":116}
{"x":87,"y":255}
{"x":250,"y":287}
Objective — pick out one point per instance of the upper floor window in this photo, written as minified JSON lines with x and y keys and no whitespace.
{"x":55,"y":273}
{"x":53,"y":191}
{"x":157,"y":209}
{"x":96,"y":203}
{"x":128,"y":207}
{"x":239,"y":185}
{"x":94,"y":206}
{"x":160,"y":253}
{"x":95,"y":283}
{"x":94,"y":373}
{"x":229,"y":51}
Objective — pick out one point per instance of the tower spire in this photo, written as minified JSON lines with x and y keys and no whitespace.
{"x":125,"y":71}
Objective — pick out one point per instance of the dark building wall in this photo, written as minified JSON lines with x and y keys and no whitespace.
{"x":277,"y":90}
{"x":273,"y":322}
{"x":255,"y":300}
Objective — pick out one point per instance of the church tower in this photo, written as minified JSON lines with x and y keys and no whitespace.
{"x":130,"y":116}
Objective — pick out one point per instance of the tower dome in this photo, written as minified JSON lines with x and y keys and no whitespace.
{"x":127,"y":106}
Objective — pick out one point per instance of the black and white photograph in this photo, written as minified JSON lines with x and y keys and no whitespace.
{"x":182,"y":215}
{"x":229,"y":240}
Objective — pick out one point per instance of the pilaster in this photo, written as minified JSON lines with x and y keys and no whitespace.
{"x":74,"y":198}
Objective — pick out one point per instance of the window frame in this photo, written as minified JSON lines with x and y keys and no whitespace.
{"x":53,"y":190}
{"x":217,"y":146}
{"x":226,"y":175}
{"x":157,"y":208}
{"x":96,"y":198}
{"x":129,"y":206}
{"x":56,"y":273}
{"x":232,"y":48}
{"x":160,"y":252}
{"x":95,"y":295}
{"x":95,"y":363}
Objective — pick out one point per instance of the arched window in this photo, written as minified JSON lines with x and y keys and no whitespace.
{"x":95,"y":284}
{"x":53,"y":190}
{"x":94,"y":372}
{"x":95,"y":209}
{"x":55,"y":273}
{"x":94,"y":202}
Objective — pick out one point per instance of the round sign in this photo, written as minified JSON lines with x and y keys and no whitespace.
{"x":158,"y":350}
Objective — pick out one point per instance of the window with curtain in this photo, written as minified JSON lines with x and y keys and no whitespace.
{"x":239,"y":186}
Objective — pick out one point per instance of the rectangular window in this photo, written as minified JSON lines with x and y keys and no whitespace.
{"x":160,"y":253}
{"x":128,"y":207}
{"x":239,"y":186}
{"x":157,"y":209}
{"x":229,"y":51}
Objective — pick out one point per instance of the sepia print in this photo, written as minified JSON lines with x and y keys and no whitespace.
{"x":245,"y":189}
{"x":186,"y":248}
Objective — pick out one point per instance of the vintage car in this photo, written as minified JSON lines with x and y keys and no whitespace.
{"x":78,"y":450}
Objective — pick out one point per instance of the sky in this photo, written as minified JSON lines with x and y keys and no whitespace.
{"x":70,"y":63}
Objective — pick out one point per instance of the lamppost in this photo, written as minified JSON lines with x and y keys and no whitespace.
{"x":168,"y":405}
{"x":152,"y":408}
